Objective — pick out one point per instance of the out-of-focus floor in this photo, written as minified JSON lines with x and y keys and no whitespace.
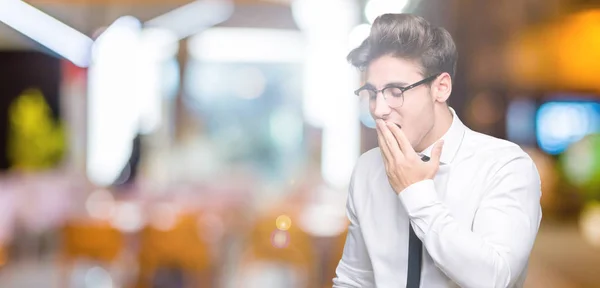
{"x":560,"y":259}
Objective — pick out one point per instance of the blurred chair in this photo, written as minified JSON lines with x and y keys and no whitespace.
{"x":95,"y":240}
{"x":3,"y":256}
{"x":177,"y":247}
{"x":278,"y":256}
{"x":89,"y":240}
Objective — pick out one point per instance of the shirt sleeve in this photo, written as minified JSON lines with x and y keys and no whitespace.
{"x":495,"y":250}
{"x":354,"y":269}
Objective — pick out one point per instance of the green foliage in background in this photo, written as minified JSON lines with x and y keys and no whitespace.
{"x":581,"y":164}
{"x":36,"y":141}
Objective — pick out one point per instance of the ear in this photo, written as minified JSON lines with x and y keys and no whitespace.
{"x":442,"y":87}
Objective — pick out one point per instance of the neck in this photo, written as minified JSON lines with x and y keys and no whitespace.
{"x":442,"y":122}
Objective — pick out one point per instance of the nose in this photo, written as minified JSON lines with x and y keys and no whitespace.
{"x":380,"y":108}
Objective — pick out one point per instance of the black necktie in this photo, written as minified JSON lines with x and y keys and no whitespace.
{"x":414,"y":259}
{"x":415,"y":256}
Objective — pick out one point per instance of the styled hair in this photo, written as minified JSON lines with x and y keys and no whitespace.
{"x":408,"y":37}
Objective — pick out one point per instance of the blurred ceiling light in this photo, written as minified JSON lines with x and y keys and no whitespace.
{"x":118,"y":25}
{"x":194,"y":17}
{"x":126,"y":82}
{"x":247,"y":45}
{"x":113,"y":100}
{"x":124,"y":176}
{"x":317,"y":16}
{"x":326,"y":76}
{"x":358,"y":34}
{"x":375,"y":8}
{"x":156,"y":47}
{"x":159,"y":43}
{"x":340,"y":140}
{"x":49,"y":32}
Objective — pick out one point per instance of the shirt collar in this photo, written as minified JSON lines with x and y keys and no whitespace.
{"x":452,"y":140}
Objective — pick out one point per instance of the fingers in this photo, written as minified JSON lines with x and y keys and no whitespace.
{"x":390,"y":140}
{"x":383,"y":146}
{"x":402,"y":140}
{"x":436,"y":154}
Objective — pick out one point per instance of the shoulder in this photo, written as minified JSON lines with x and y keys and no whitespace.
{"x":368,"y":163}
{"x":369,"y":159}
{"x":496,"y":154}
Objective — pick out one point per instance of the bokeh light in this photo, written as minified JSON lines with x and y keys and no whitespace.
{"x":559,"y":124}
{"x":164,"y":216}
{"x":280,"y":239}
{"x":322,"y":220}
{"x":581,"y":164}
{"x":520,"y":121}
{"x":483,"y":109}
{"x":589,"y":223}
{"x":283,"y":222}
{"x":127,"y":217}
{"x":98,"y":277}
{"x":546,"y":166}
{"x":195,"y":138}
{"x":100,"y":204}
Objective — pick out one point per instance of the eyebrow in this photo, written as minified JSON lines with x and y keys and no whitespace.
{"x":400,"y":84}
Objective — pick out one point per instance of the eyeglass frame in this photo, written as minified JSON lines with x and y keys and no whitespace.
{"x":402,"y":89}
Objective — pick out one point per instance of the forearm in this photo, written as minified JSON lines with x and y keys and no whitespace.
{"x":487,"y":258}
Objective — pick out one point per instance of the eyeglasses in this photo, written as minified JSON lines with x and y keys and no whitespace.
{"x":393,"y":94}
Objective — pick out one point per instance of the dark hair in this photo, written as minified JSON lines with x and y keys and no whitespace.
{"x":409,"y":37}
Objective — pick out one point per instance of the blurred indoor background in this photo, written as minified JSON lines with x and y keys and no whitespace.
{"x":209,"y":143}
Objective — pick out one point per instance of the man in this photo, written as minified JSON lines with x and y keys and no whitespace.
{"x":472,"y":201}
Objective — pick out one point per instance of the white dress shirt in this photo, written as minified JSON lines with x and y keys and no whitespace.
{"x":477,"y":219}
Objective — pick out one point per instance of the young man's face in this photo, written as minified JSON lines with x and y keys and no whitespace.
{"x":416,"y":115}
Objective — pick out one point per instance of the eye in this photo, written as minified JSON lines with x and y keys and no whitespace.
{"x":395,"y":92}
